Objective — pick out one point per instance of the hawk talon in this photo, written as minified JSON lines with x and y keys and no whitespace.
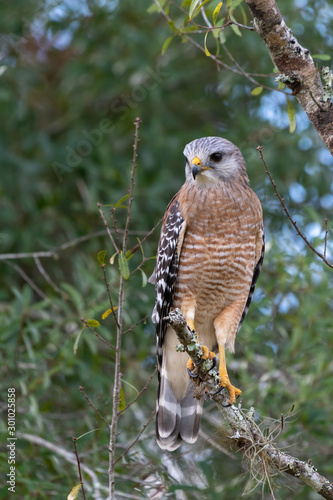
{"x":191,"y":375}
{"x":219,"y":390}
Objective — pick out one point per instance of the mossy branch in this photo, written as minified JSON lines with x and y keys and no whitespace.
{"x":260,"y":451}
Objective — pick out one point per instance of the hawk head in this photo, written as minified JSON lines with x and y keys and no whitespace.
{"x":211,"y":160}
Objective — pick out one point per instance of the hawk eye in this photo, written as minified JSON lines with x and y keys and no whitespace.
{"x":216,"y":157}
{"x":186,"y":159}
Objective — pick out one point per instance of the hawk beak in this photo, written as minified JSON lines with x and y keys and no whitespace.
{"x":196,"y":167}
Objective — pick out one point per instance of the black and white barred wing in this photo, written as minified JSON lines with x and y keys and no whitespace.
{"x":167,"y":262}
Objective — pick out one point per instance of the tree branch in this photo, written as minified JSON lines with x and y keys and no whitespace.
{"x":242,"y":429}
{"x":294,"y":223}
{"x":295,"y":65}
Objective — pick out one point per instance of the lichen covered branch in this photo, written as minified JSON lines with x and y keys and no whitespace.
{"x":296,"y":66}
{"x":242,"y":429}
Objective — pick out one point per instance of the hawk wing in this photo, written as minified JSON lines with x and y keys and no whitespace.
{"x":166,"y":269}
{"x":256,"y":273}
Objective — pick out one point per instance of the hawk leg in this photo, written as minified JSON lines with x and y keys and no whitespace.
{"x":207,"y":354}
{"x":225,"y":382}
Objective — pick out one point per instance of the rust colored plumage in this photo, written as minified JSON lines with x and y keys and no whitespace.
{"x":209,"y":258}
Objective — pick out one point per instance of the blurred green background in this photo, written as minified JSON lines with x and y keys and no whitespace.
{"x":74,"y":76}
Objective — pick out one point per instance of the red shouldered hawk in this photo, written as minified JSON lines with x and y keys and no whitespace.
{"x":208,"y":261}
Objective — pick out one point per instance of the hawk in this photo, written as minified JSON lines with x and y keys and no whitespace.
{"x":208,"y":261}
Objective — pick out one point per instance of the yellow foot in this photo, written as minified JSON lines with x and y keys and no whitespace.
{"x":223,"y":374}
{"x":190,"y":365}
{"x":190,"y":324}
{"x":233,"y":391}
{"x":207,"y":354}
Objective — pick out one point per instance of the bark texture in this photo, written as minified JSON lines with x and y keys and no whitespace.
{"x":296,"y":66}
{"x":242,"y":429}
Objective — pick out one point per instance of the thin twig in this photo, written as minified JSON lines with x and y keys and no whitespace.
{"x":46,"y":276}
{"x":69,"y":244}
{"x":131,"y":328}
{"x":115,"y":227}
{"x":27,"y":279}
{"x":215,"y":58}
{"x":79,"y":467}
{"x":318,"y":103}
{"x":138,"y":245}
{"x":142,"y":390}
{"x":325,"y":239}
{"x":97,"y":334}
{"x":66,"y":455}
{"x":294,"y":223}
{"x":241,"y":70}
{"x":107,"y":227}
{"x":137,"y":438}
{"x":144,"y":260}
{"x":117,"y":372}
{"x":81,"y":389}
{"x":109,"y":294}
{"x":130,"y":199}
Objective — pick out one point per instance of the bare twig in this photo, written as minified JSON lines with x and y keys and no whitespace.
{"x":109,"y":294}
{"x":79,"y":467}
{"x":65,"y":246}
{"x":243,"y":430}
{"x":107,"y":227}
{"x":294,"y":223}
{"x":27,"y":279}
{"x":97,"y":334}
{"x":46,"y":276}
{"x":81,"y":389}
{"x":134,"y":165}
{"x":137,"y":438}
{"x":325,"y":239}
{"x":68,"y":456}
{"x":142,"y":390}
{"x":115,"y":227}
{"x":117,"y":372}
{"x":138,"y":245}
{"x":131,"y":328}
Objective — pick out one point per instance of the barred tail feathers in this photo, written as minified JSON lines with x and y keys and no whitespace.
{"x":178,"y":412}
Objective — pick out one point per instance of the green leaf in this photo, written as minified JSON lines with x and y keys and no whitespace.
{"x":93,"y":322}
{"x":257,"y":91}
{"x":216,"y":12}
{"x":291,"y":116}
{"x":222,"y":37}
{"x":144,"y":278}
{"x":77,"y":340}
{"x":166,"y":44}
{"x":101,"y":257}
{"x":322,"y":57}
{"x":74,"y":492}
{"x":195,"y":7}
{"x":206,"y":50}
{"x":122,"y":403}
{"x":281,"y":85}
{"x":236,"y":29}
{"x":119,"y":203}
{"x":112,"y":258}
{"x":123,"y":266}
{"x":155,"y":8}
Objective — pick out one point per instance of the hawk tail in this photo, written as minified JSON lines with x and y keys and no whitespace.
{"x":176,"y":420}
